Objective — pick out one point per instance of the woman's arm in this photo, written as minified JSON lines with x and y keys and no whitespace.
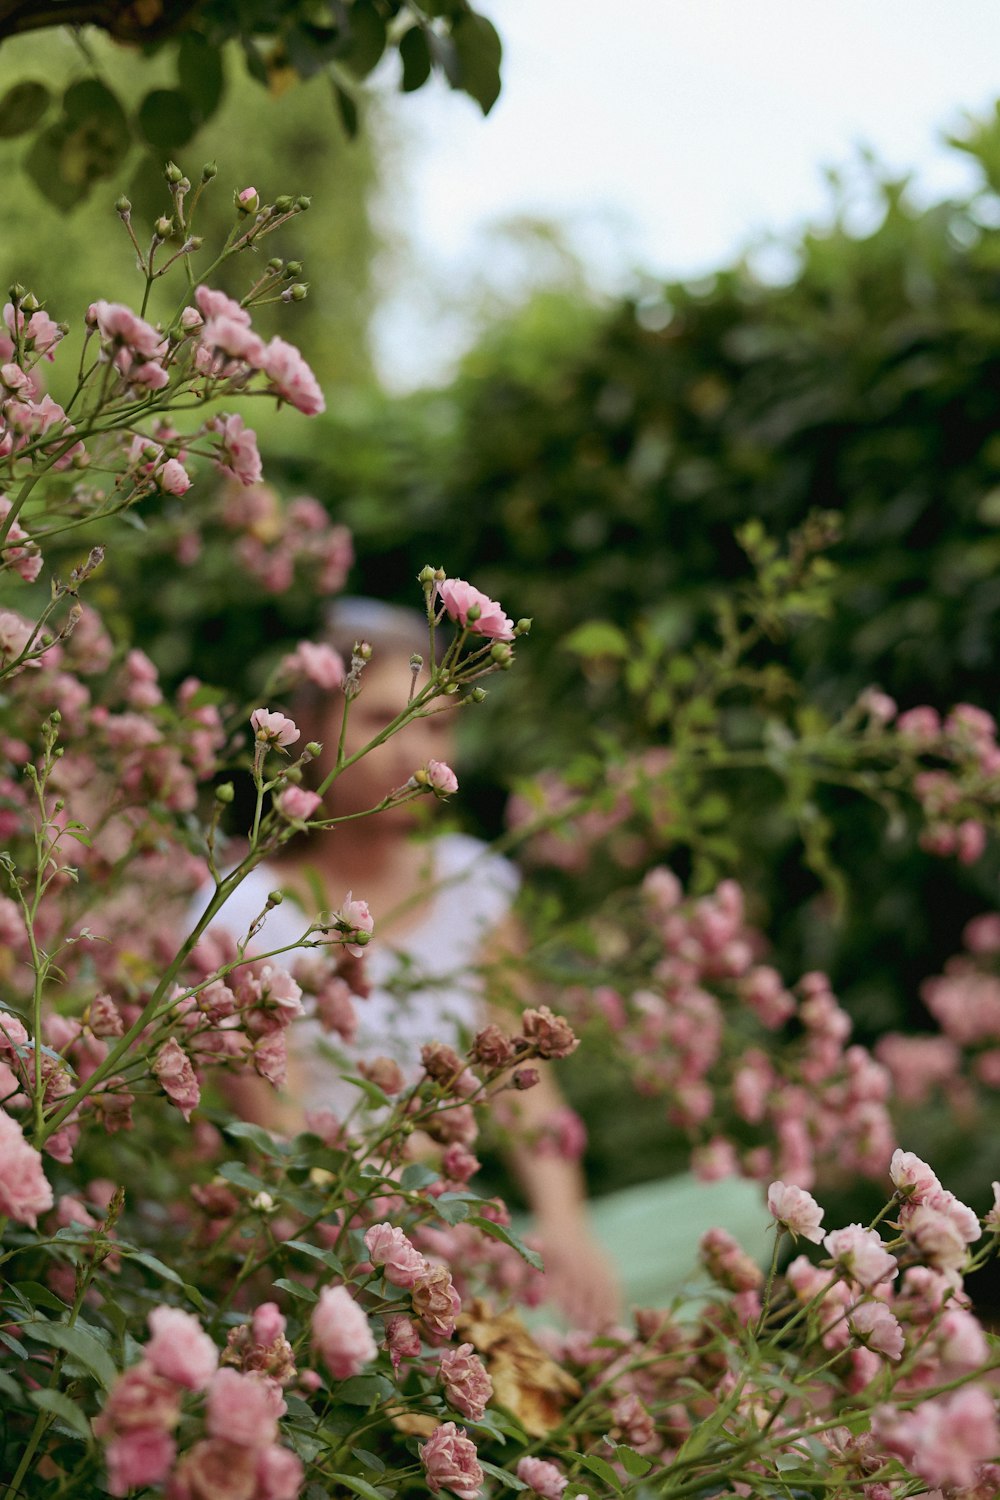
{"x":580,"y":1274}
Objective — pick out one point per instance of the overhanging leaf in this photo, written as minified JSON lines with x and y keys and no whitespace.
{"x":66,"y":1410}
{"x":499,"y":1232}
{"x":82,"y":1346}
{"x":22,"y":107}
{"x":479,"y":52}
{"x":416,"y":59}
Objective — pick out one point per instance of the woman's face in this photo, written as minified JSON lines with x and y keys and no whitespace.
{"x":385,"y":687}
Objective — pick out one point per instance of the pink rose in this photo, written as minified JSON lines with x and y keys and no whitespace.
{"x":436,"y":1302}
{"x":912,"y":1178}
{"x":279,"y":1474}
{"x":243,"y":1408}
{"x":466,"y":1384}
{"x":474,"y":610}
{"x":139,"y":1398}
{"x":297,"y":804}
{"x":180,"y":1349}
{"x":138,"y":1458}
{"x":215,"y":1470}
{"x":25,"y":1191}
{"x":450,"y":1462}
{"x":215,"y":304}
{"x":341,"y":1333}
{"x":548,"y":1034}
{"x":238,"y":455}
{"x":317,"y":663}
{"x":389,"y":1247}
{"x":271,"y":728}
{"x":542,"y":1477}
{"x":402,"y":1339}
{"x":119,"y":325}
{"x":945,"y":1440}
{"x":875,"y":1326}
{"x":292,"y":377}
{"x":172,"y":1067}
{"x":796,"y":1210}
{"x":440,"y":778}
{"x":268,"y":1323}
{"x":860,"y":1254}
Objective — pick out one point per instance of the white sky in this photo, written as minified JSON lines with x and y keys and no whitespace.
{"x":668,"y":135}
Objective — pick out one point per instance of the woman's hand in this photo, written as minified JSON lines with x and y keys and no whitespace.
{"x":579,"y":1276}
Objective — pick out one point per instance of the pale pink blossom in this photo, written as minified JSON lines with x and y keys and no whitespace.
{"x":474,"y":610}
{"x":237,"y":454}
{"x":341,"y":1333}
{"x":970,"y":840}
{"x":273,"y":728}
{"x":173,"y":478}
{"x":315,"y":662}
{"x":39,"y":332}
{"x":921,"y":725}
{"x":918,"y":1064}
{"x":728,"y":1263}
{"x":139,"y":1398}
{"x":860,"y":1254}
{"x":633,"y":1420}
{"x":876,"y":1327}
{"x":215,"y":1469}
{"x":119,"y":325}
{"x":961,"y":1215}
{"x":270,"y":1058}
{"x":268,"y":1323}
{"x":180,"y":1349}
{"x":402,"y":1339}
{"x":243,"y":1408}
{"x":228,"y":345}
{"x":25,"y":1191}
{"x":960,"y":1339}
{"x":138,"y":1458}
{"x":945,"y":1441}
{"x":912,"y":1178}
{"x":991,"y":1221}
{"x":796,"y":1210}
{"x":545,"y":1478}
{"x":466,"y":1384}
{"x":215,"y":304}
{"x":297,"y":804}
{"x":279,"y":1474}
{"x":355,"y":922}
{"x":451,"y":1463}
{"x":936,"y":1237}
{"x":982,"y":934}
{"x":439,"y":777}
{"x":172,"y":1067}
{"x":292,"y":377}
{"x":389,"y":1247}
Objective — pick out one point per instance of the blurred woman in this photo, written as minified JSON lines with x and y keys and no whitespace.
{"x":443,"y":910}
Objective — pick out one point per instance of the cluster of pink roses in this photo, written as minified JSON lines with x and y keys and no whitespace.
{"x":239,"y":1458}
{"x":964,"y":745}
{"x":762,"y":1079}
{"x":229,"y":350}
{"x":279,"y":544}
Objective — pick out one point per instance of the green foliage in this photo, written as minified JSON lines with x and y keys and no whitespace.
{"x":606,"y":472}
{"x":282,"y":144}
{"x":73,"y":146}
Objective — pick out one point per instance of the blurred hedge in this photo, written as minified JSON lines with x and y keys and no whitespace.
{"x":588,"y":463}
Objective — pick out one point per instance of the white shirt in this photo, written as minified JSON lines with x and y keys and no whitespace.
{"x":422,"y":990}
